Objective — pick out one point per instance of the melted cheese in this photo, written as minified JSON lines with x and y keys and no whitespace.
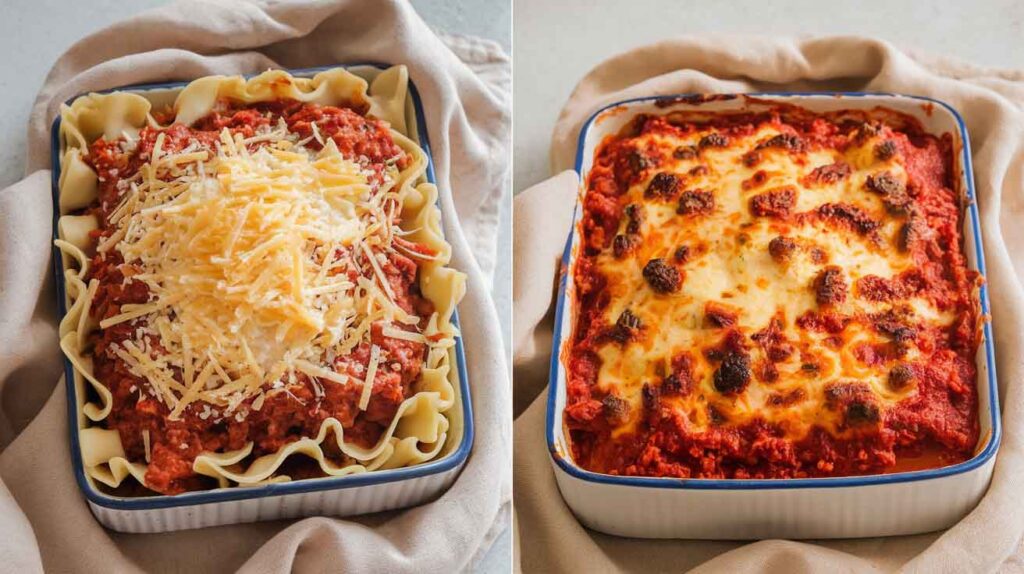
{"x":730,"y":264}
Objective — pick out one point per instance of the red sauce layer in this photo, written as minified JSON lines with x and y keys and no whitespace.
{"x":283,"y":417}
{"x":935,"y":426}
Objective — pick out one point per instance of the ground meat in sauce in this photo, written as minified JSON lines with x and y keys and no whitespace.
{"x":283,"y":417}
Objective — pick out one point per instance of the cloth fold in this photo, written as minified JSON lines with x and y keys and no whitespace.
{"x":465,"y":93}
{"x":549,"y":538}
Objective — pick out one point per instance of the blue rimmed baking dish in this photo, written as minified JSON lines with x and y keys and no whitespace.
{"x":845,"y":507}
{"x":331,"y":496}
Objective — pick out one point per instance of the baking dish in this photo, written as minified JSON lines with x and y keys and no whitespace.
{"x":343,"y":495}
{"x":845,"y":507}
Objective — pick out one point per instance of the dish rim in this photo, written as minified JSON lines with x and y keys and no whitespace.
{"x":566,"y":464}
{"x":452,"y":461}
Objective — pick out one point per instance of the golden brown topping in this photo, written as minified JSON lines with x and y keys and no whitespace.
{"x":671,"y":385}
{"x":775,"y":203}
{"x":714,"y":140}
{"x":685,"y":152}
{"x":757,"y":180}
{"x":896,"y":323}
{"x":719,"y":315}
{"x":901,"y":376}
{"x":849,"y":216}
{"x":662,"y":277}
{"x":868,"y":130}
{"x":616,"y":410}
{"x":782,"y":249}
{"x":627,"y":327}
{"x":912,"y":232}
{"x":787,"y":398}
{"x":733,"y":375}
{"x":650,"y":396}
{"x":637,"y":161}
{"x":830,"y":286}
{"x":862,"y":412}
{"x":634,"y":218}
{"x":855,"y":400}
{"x":884,"y":184}
{"x":773,"y":340}
{"x":696,"y":202}
{"x":885,"y":150}
{"x":663,"y":185}
{"x":622,"y":245}
{"x":789,"y":142}
{"x":828,"y":174}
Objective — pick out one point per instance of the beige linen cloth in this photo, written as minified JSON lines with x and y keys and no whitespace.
{"x":548,"y":537}
{"x":464,"y":84}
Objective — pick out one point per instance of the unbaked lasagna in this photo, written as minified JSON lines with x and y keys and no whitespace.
{"x":254,"y":272}
{"x":772,"y":295}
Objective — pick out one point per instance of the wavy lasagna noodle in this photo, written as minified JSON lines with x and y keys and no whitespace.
{"x":773,"y":295}
{"x":255,"y":272}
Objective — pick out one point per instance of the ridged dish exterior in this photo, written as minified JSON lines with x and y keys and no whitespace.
{"x":841,"y":512}
{"x":338,"y":502}
{"x":850,"y":507}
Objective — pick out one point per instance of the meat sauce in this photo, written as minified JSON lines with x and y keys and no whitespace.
{"x":934,"y":426}
{"x":283,"y":417}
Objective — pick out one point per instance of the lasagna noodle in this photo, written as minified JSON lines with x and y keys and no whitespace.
{"x":427,"y":423}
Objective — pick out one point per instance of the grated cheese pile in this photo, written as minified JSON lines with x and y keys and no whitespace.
{"x":256,"y":260}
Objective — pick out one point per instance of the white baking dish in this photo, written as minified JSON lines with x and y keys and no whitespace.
{"x":333,"y":496}
{"x":848,"y":507}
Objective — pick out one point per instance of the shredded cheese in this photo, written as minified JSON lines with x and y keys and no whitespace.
{"x":404,"y":335}
{"x":145,"y":443}
{"x":371,"y":373}
{"x":248,"y":252}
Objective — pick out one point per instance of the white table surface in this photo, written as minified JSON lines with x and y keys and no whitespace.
{"x":557,"y":42}
{"x":32,"y":37}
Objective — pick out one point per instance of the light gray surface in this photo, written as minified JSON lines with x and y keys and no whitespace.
{"x":556,"y":43}
{"x":32,"y":37}
{"x":490,"y":19}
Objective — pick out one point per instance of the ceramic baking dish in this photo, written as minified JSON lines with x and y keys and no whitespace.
{"x":333,"y":496}
{"x":846,"y":507}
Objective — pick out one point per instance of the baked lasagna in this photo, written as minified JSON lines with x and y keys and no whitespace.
{"x":254,"y":272}
{"x":775,"y":294}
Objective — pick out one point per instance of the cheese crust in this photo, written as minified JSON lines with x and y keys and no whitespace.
{"x":772,"y":295}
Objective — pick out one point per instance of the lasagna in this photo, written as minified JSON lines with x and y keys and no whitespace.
{"x":772,"y":295}
{"x":255,"y":272}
